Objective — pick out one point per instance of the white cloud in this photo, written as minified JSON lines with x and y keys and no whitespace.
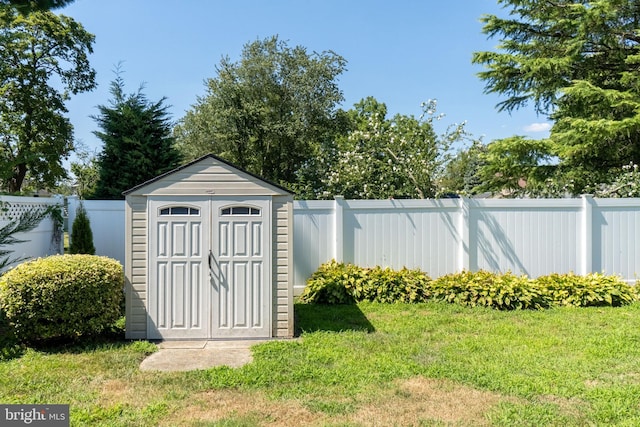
{"x":537,"y":127}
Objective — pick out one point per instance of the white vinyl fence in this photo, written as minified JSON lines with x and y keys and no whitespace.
{"x":525,"y":236}
{"x":41,"y":241}
{"x":107,"y":224}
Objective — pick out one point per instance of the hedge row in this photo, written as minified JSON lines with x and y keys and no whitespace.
{"x":339,"y":283}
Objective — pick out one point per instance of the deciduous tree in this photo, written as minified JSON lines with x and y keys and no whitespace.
{"x":401,"y":157}
{"x":268,"y":113}
{"x":43,"y":59}
{"x":85,"y":171}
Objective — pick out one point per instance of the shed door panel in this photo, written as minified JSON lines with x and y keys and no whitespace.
{"x":177,"y":291}
{"x":240,"y":280}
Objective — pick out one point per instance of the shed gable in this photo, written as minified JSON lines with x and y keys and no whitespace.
{"x":207,"y":175}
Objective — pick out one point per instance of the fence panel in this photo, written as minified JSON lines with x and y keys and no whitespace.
{"x":402,"y":233}
{"x":313,"y":237}
{"x":41,"y":241}
{"x":107,"y":225}
{"x":532,"y":237}
{"x":616,"y":237}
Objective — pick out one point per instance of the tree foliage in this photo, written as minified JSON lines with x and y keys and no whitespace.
{"x":578,"y":63}
{"x":516,"y":167}
{"x":462,"y":172}
{"x":138,"y":144}
{"x":81,"y":234}
{"x":27,"y":6}
{"x":625,"y":184}
{"x":547,"y":46}
{"x":380,"y":158}
{"x":39,"y":53}
{"x":269,"y":113}
{"x":86,"y":173}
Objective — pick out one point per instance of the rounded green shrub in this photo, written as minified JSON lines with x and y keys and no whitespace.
{"x":62,"y":296}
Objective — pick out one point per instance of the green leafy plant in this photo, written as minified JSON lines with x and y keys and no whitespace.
{"x":62,"y":296}
{"x":483,"y":288}
{"x":330,"y":284}
{"x":340,"y":283}
{"x":393,"y":286}
{"x":81,"y":234}
{"x":593,"y":289}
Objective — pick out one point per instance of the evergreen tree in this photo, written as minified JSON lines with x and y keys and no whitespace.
{"x":138,"y":144}
{"x":577,"y":63}
{"x":81,"y":234}
{"x":28,"y":6}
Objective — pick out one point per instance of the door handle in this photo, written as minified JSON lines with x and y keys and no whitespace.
{"x":209,"y":258}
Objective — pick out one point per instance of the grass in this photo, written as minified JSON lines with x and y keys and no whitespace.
{"x":368,"y":364}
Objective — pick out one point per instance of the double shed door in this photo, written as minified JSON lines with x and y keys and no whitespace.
{"x":209,"y":268}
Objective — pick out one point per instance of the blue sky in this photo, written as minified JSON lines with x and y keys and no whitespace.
{"x":402,"y":53}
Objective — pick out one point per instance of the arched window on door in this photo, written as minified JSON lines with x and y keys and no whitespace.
{"x":240,"y":211}
{"x":179,"y":210}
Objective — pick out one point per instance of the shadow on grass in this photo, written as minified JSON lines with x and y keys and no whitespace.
{"x":334,"y":318}
{"x":82,"y":344}
{"x":13,"y":348}
{"x":10,"y":348}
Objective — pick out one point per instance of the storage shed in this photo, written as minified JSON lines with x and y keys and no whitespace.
{"x":208,"y":255}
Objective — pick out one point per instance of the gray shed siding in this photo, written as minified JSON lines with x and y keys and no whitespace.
{"x":208,"y":177}
{"x":283,"y":273}
{"x":136,"y":267}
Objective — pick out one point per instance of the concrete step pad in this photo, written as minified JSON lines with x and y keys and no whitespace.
{"x":192,"y":355}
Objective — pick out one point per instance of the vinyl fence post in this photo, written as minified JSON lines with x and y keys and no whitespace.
{"x":72,"y":208}
{"x":587,"y":234}
{"x":463,"y":233}
{"x":338,"y":216}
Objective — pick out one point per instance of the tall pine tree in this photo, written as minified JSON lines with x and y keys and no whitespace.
{"x":81,"y":234}
{"x":577,"y":62}
{"x":138,"y":144}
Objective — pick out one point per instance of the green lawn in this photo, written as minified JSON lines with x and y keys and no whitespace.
{"x":369,"y":364}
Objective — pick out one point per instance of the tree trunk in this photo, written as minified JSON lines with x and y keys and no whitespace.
{"x":15,"y":183}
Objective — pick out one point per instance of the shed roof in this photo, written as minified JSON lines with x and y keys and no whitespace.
{"x":245,"y":177}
